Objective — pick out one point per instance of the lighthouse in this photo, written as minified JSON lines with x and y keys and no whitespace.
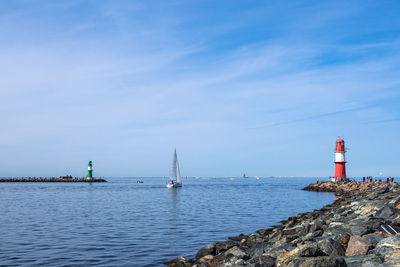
{"x":340,"y":161}
{"x":90,"y":170}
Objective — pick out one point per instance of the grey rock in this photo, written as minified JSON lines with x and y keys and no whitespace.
{"x":293,"y":230}
{"x":373,"y":239}
{"x":332,"y":246}
{"x":311,"y":250}
{"x":317,"y":262}
{"x":263,"y":261}
{"x":224,"y":246}
{"x":336,"y":228}
{"x":372,"y":264}
{"x":317,"y":225}
{"x":359,"y":229}
{"x":236,"y":252}
{"x":257,"y":250}
{"x":386,"y":246}
{"x":386,"y":212}
{"x":356,"y":261}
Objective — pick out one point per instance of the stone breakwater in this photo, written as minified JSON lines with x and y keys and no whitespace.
{"x":359,"y":229}
{"x":51,"y":180}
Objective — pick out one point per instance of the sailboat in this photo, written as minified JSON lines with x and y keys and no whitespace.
{"x":174,"y":173}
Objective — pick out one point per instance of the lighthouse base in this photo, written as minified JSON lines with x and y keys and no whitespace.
{"x":335,"y":179}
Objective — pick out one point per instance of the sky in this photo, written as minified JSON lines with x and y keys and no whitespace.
{"x":257,"y":87}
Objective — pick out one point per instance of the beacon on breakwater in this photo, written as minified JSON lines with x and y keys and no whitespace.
{"x":90,"y":170}
{"x":340,"y":161}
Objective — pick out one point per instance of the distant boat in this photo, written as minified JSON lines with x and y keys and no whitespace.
{"x":257,"y":177}
{"x":174,"y":173}
{"x":232,"y":178}
{"x":245,"y":176}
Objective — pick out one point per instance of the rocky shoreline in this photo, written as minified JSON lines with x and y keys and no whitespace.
{"x":52,"y":180}
{"x":359,"y":229}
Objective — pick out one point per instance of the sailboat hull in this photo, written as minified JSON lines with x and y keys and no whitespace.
{"x":173,"y":185}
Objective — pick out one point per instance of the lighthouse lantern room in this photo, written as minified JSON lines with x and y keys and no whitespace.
{"x":340,"y":161}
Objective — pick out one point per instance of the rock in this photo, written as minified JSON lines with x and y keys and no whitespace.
{"x":206,"y":258}
{"x":333,"y":246}
{"x":357,"y":246}
{"x":392,"y":258}
{"x":386,"y":246}
{"x":336,"y":228}
{"x":316,"y":262}
{"x":373,"y":239}
{"x":356,"y":261}
{"x":263,"y":261}
{"x":311,"y":250}
{"x":372,"y":264}
{"x":224,"y":246}
{"x":264,"y":231}
{"x":317,"y":225}
{"x":386,"y":212}
{"x":179,"y":262}
{"x":258,"y":249}
{"x":207,"y":250}
{"x":293,"y":230}
{"x":201,"y":264}
{"x":359,"y":229}
{"x":236,"y":251}
{"x":237,"y":238}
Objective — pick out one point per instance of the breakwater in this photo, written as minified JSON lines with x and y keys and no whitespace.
{"x":359,"y":229}
{"x":51,"y":180}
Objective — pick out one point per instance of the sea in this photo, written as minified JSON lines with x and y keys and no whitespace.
{"x":126,"y":223}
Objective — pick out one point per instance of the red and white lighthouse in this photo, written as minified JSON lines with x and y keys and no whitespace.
{"x":340,"y":161}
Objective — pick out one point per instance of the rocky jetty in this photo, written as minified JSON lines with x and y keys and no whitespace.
{"x":51,"y":180}
{"x":359,"y":229}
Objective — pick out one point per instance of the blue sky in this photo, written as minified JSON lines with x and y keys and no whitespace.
{"x":262,"y":87}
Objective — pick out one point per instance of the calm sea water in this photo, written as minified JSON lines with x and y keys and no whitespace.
{"x":125,"y":223}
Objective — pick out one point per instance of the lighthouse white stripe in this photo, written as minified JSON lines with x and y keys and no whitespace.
{"x":339,"y":157}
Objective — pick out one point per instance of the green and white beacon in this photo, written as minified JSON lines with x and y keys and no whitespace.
{"x":90,"y":170}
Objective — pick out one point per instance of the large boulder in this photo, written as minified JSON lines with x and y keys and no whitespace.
{"x":357,"y":246}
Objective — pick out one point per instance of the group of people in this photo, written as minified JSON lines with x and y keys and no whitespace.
{"x":370,"y":179}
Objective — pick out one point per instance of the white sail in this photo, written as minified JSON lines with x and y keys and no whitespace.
{"x":174,"y":173}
